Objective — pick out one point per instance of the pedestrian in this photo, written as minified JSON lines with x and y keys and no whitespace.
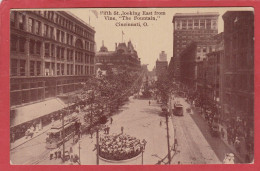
{"x":122,"y":129}
{"x":111,"y":120}
{"x":144,"y":143}
{"x":13,"y":137}
{"x":91,"y":133}
{"x":108,"y":129}
{"x":149,"y":102}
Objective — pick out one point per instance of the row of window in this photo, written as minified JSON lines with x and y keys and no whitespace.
{"x":62,"y":21}
{"x":53,"y":17}
{"x":18,"y":68}
{"x":34,"y":26}
{"x":196,"y":24}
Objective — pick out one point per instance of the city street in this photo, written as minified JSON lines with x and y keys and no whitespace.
{"x":195,"y":144}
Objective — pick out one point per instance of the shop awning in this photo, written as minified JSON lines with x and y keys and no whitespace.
{"x":32,"y":111}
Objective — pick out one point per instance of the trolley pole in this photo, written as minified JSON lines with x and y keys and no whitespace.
{"x":97,"y":147}
{"x":63,"y":140}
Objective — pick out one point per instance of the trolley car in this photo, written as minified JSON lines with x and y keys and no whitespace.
{"x":54,"y":135}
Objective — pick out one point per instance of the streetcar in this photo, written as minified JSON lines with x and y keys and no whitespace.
{"x":54,"y":135}
{"x":178,"y":109}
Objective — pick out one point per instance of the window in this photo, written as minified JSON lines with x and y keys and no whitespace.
{"x":196,"y":24}
{"x":68,"y":69}
{"x":47,"y":69}
{"x":202,"y":24}
{"x":214,"y":24}
{"x":38,"y":48}
{"x":58,"y":52}
{"x":21,"y":21}
{"x":37,"y":27}
{"x":32,"y":68}
{"x":22,"y":67}
{"x":12,"y":18}
{"x":58,"y":35}
{"x":30,"y":25}
{"x":52,"y":50}
{"x":62,"y":53}
{"x":208,"y":24}
{"x":22,"y":44}
{"x":190,"y":24}
{"x":52,"y":33}
{"x":38,"y":68}
{"x":14,"y":67}
{"x":62,"y":69}
{"x":47,"y":49}
{"x":68,"y":39}
{"x":32,"y":46}
{"x":14,"y":41}
{"x":45,"y":33}
{"x":184,"y":24}
{"x":62,"y":36}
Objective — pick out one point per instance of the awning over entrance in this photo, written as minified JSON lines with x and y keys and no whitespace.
{"x":36,"y":110}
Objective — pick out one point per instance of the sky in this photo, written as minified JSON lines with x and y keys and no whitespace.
{"x":149,"y":40}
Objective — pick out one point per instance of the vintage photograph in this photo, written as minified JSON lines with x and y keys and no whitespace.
{"x":132,"y":86}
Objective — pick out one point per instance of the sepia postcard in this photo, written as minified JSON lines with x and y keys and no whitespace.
{"x":132,"y":86}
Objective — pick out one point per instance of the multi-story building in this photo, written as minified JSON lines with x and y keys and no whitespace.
{"x":187,"y":27}
{"x":214,"y":71}
{"x":124,"y":57}
{"x":188,"y":66}
{"x":163,"y":56}
{"x":161,"y":68}
{"x":51,"y":53}
{"x":238,"y":70}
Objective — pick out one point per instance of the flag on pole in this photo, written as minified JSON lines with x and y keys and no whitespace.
{"x":95,"y":13}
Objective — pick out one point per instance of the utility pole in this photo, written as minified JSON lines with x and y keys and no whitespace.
{"x":97,"y":147}
{"x":63,"y":140}
{"x":79,"y":152}
{"x":168,"y":139}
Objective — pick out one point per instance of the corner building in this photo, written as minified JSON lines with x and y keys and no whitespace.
{"x":238,"y":71}
{"x":188,"y":27}
{"x":51,"y":53}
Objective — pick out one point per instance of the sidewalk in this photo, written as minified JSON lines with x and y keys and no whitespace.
{"x":240,"y":156}
{"x":23,"y":140}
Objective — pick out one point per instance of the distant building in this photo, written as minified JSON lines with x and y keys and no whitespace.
{"x":124,"y":57}
{"x":161,"y":68}
{"x":188,"y":66}
{"x":188,"y":27}
{"x":163,"y":56}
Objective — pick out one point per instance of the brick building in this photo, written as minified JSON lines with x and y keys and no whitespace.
{"x":238,"y":69}
{"x":124,"y":57}
{"x":187,"y":27}
{"x":188,"y":66}
{"x":51,"y":54}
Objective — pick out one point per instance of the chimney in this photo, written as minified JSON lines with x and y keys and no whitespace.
{"x":116,"y":46}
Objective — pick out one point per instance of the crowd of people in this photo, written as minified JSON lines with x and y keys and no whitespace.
{"x":120,"y":147}
{"x":238,"y":129}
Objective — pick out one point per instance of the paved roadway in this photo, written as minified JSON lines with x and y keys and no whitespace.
{"x":195,"y":144}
